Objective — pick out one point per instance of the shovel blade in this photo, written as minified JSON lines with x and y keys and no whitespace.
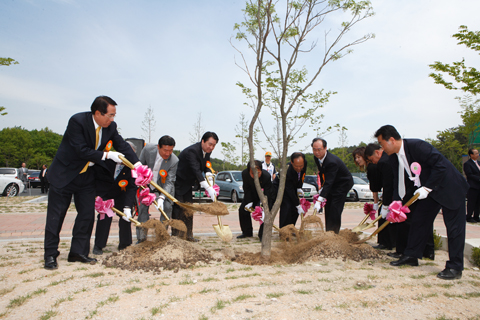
{"x":223,"y":232}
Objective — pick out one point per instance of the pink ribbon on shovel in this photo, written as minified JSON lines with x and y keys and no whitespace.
{"x":315,"y":199}
{"x":143,"y":175}
{"x":305,"y":205}
{"x":216,"y":188}
{"x":258,"y":214}
{"x":397,"y":212}
{"x":368,"y":209}
{"x":145,"y":197}
{"x":104,"y":207}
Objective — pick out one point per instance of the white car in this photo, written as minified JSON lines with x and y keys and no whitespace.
{"x":10,"y":186}
{"x":361,"y":190}
{"x":309,"y":190}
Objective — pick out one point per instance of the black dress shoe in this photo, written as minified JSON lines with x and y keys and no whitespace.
{"x":471,"y":220}
{"x":430,"y":256}
{"x":242,"y":236}
{"x":97,"y":251}
{"x":450,"y":274}
{"x":405,"y":260}
{"x":396,"y":255}
{"x":380,"y":247}
{"x":192,"y":239}
{"x":75,"y":257}
{"x":51,"y":263}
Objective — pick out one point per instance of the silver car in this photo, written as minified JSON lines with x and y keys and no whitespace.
{"x":231,"y":184}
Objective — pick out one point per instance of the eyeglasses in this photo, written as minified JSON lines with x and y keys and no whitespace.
{"x":110,"y":116}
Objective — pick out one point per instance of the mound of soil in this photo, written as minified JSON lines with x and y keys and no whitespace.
{"x":323,"y":245}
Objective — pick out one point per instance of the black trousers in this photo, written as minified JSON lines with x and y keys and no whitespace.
{"x":246,"y":221}
{"x":102,"y":229}
{"x":44,"y":185}
{"x":179,"y":214}
{"x":59,"y":199}
{"x":388,"y":236}
{"x":403,"y":230}
{"x":421,"y":227}
{"x":333,"y":211}
{"x":288,"y":213}
{"x":473,"y":203}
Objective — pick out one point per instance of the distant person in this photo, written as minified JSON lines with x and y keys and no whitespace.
{"x":115,"y":183}
{"x":268,"y":166}
{"x":471,"y":167}
{"x":192,"y":165}
{"x":23,"y":175}
{"x":43,"y":179}
{"x":251,"y":198}
{"x":161,"y":159}
{"x":291,"y":208}
{"x":336,"y":181}
{"x":442,"y":187}
{"x":83,"y":146}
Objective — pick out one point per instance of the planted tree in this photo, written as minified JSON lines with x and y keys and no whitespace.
{"x":277,"y":35}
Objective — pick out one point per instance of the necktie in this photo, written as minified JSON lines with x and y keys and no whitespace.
{"x":402,"y":161}
{"x":97,"y":135}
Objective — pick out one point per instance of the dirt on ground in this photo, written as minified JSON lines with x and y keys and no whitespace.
{"x":315,"y":275}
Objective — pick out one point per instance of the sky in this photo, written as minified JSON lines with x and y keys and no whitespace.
{"x":176,"y":57}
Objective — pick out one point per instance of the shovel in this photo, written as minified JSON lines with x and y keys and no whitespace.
{"x":120,"y":213}
{"x":251,"y":210}
{"x":223,"y":231}
{"x":362,"y":226}
{"x":412,"y":200}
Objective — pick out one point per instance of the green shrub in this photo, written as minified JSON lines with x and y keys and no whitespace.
{"x":476,"y":256}
{"x":437,"y":240}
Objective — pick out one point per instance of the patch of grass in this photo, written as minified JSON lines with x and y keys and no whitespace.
{"x":54,"y":283}
{"x":241,"y":286}
{"x":103,"y":284}
{"x":136,"y":280}
{"x":95,"y":275}
{"x":303,"y":281}
{"x":419,"y":276}
{"x":342,"y":305}
{"x":247,"y":269}
{"x":205,"y":290}
{"x":4,"y":291}
{"x":318,"y":308}
{"x":275,"y":295}
{"x":60,"y":300}
{"x":132,"y":290}
{"x":80,"y":269}
{"x":304,"y":291}
{"x":209,"y":279}
{"x":186,"y":282}
{"x":372,"y":277}
{"x":445,"y":285}
{"x":230,"y":270}
{"x":243,"y":297}
{"x":113,"y":298}
{"x":48,"y":314}
{"x":17,"y":302}
{"x":219,"y":305}
{"x":25,"y":271}
{"x":203,"y":317}
{"x":244,"y":276}
{"x":472,"y":294}
{"x":430,"y":263}
{"x":52,"y":274}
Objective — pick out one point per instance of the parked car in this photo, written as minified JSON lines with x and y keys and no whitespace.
{"x":34,"y":179}
{"x":11,"y":172}
{"x":361,"y":190}
{"x":11,"y":186}
{"x":309,"y":190}
{"x":231,"y":185}
{"x":311,"y":180}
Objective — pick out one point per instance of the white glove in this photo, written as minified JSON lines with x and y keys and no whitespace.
{"x":384,"y":212}
{"x":375,"y":206}
{"x":128,"y":214}
{"x":423,"y":192}
{"x":300,"y":193}
{"x":249,"y":205}
{"x":300,"y":210}
{"x":210,"y":190}
{"x":160,"y":203}
{"x":209,"y":176}
{"x":317,"y":206}
{"x":112,"y":155}
{"x":138,"y":164}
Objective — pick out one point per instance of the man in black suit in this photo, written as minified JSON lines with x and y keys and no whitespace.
{"x":374,"y":152}
{"x":192,"y":164}
{"x":115,"y":183}
{"x":251,"y":198}
{"x":442,"y":187}
{"x":70,"y":174}
{"x":290,"y":207}
{"x":43,"y":179}
{"x":472,"y":170}
{"x":336,"y":182}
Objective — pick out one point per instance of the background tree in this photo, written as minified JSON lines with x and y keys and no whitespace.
{"x":148,"y":124}
{"x":241,"y":130}
{"x":6,"y":62}
{"x":466,"y":78}
{"x":276,"y":33}
{"x":229,"y":154}
{"x":198,"y":130}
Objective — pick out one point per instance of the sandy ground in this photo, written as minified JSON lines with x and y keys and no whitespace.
{"x":322,"y":288}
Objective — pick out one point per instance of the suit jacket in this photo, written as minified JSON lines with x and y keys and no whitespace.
{"x":191,"y":166}
{"x":42,"y":177}
{"x":385,"y":177}
{"x":108,"y":187}
{"x":472,"y":173}
{"x":292,"y":183}
{"x":335,"y":175}
{"x":78,"y":148}
{"x":21,"y":174}
{"x":148,"y":157}
{"x":250,"y":192}
{"x":448,"y":186}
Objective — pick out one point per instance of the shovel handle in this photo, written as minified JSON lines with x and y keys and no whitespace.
{"x":120,"y":213}
{"x":412,"y":200}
